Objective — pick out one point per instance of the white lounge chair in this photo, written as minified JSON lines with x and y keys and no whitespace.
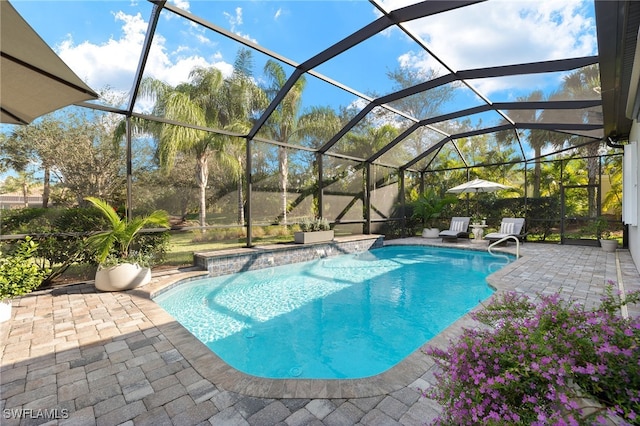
{"x":457,"y":229}
{"x":509,"y":226}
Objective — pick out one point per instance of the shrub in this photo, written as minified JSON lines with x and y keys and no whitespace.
{"x":18,"y":274}
{"x":257,"y":232}
{"x":551,"y":362}
{"x":316,"y":224}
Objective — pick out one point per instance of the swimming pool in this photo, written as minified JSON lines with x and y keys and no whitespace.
{"x":349,"y":316}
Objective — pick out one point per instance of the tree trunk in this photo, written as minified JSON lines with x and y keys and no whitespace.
{"x":284,"y":177}
{"x":25,"y":193}
{"x":46,"y":190}
{"x":240,"y":202}
{"x":537,"y":174}
{"x":593,"y":168}
{"x":202,"y":177}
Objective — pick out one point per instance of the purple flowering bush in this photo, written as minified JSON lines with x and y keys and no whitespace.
{"x":546,"y":363}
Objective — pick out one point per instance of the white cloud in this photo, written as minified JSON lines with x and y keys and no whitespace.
{"x":113,"y":63}
{"x":182,"y":4}
{"x":502,"y":33}
{"x":234,"y":19}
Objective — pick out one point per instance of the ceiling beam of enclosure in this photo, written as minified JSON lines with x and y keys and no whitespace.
{"x":389,"y":19}
{"x":408,"y":13}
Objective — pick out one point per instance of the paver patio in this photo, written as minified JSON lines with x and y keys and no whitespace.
{"x":74,"y":356}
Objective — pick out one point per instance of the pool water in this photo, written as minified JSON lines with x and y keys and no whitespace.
{"x":349,"y":316}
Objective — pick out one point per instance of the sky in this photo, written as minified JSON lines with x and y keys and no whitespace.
{"x":101,"y":40}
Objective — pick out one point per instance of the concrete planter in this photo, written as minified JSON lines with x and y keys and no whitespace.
{"x":125,"y":276}
{"x":430,"y":233}
{"x":609,"y":245}
{"x":313,"y":237}
{"x":5,"y":310}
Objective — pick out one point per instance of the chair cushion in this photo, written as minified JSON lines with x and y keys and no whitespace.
{"x":506,"y":227}
{"x":457,"y":225}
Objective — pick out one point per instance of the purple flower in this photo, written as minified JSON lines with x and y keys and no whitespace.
{"x":528,"y":368}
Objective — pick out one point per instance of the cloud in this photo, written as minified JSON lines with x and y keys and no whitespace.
{"x":113,"y":63}
{"x":182,"y":4}
{"x":235,"y":20}
{"x":498,"y":33}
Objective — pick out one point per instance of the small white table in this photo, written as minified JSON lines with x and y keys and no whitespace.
{"x":478,"y":232}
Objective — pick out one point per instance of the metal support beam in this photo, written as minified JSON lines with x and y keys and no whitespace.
{"x":367,"y":198}
{"x":247,"y":172}
{"x":129,"y":169}
{"x":319,"y":157}
{"x":403,"y":209}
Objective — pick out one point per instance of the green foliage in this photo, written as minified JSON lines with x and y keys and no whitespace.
{"x":116,"y":242}
{"x":58,"y":233}
{"x":18,"y":274}
{"x":429,"y":207}
{"x":25,"y":221}
{"x":601,"y":228}
{"x":544,"y":362}
{"x":314,"y":224}
{"x":542,"y":216}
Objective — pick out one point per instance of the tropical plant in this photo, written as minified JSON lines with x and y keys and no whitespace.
{"x":314,"y":224}
{"x":429,"y":207}
{"x":601,"y":228}
{"x":286,"y":124}
{"x":18,"y":274}
{"x":541,"y":363}
{"x":115,"y":243}
{"x":201,"y":102}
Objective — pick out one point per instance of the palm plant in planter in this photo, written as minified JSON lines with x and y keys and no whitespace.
{"x":119,"y":267}
{"x":428,"y":208}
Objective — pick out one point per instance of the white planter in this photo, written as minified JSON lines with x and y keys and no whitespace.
{"x":609,"y":245}
{"x":430,"y":233}
{"x":312,"y":237}
{"x":122,"y":277}
{"x":5,"y":310}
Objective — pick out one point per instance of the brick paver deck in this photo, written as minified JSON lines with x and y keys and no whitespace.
{"x":86,"y":357}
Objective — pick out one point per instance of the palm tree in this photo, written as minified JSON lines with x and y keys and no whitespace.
{"x":208,"y":100}
{"x":287,"y":125}
{"x":243,"y":99}
{"x":585,"y":84}
{"x":197,"y":103}
{"x":192,"y":103}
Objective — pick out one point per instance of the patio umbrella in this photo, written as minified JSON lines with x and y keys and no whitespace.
{"x":33,"y":79}
{"x":477,"y":185}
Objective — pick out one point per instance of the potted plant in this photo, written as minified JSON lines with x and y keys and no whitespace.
{"x":314,"y":230}
{"x":18,"y":275}
{"x":120,"y":268}
{"x":603,"y":232}
{"x":477,"y":219}
{"x":428,"y":208}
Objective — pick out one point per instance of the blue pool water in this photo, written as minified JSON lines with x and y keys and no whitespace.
{"x":350,"y":316}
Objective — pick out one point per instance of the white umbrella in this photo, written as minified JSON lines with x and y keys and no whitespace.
{"x":477,"y":185}
{"x":34,"y":80}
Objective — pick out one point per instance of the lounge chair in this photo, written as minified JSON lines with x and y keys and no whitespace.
{"x":457,"y":229}
{"x":509,"y":226}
